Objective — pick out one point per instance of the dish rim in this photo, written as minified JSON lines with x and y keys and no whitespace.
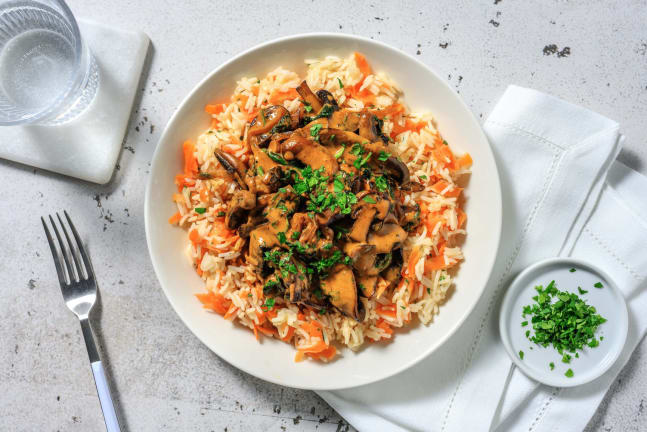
{"x":496,"y":207}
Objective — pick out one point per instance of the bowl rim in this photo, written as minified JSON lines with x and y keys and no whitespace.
{"x":496,"y":207}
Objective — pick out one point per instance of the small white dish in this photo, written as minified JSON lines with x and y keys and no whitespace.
{"x":608,"y":301}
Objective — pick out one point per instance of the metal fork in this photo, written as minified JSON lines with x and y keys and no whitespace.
{"x":80,"y":292}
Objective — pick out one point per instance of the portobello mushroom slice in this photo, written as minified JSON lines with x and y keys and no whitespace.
{"x":273,"y":119}
{"x":233,"y":166}
{"x":362,"y":255}
{"x":344,"y":119}
{"x":391,"y":274}
{"x":389,"y":237}
{"x":397,"y":170}
{"x":310,"y":153}
{"x":309,"y":97}
{"x":362,"y":223}
{"x":326,"y":98}
{"x":340,"y":287}
{"x":254,"y":219}
{"x":369,"y":127}
{"x":367,"y":285}
{"x":260,"y":239}
{"x":241,"y":203}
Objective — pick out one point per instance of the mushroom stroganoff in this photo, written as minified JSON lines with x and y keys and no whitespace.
{"x":320,"y":211}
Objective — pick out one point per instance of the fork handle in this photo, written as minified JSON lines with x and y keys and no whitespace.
{"x":107,"y":406}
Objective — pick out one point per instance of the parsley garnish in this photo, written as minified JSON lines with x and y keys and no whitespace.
{"x":581,"y":291}
{"x":521,"y":355}
{"x":563,"y":320}
{"x":551,"y":365}
{"x":314,"y":131}
{"x":260,"y":170}
{"x":598,"y":285}
{"x":295,"y":235}
{"x":281,"y":237}
{"x":341,"y":86}
{"x":423,"y":177}
{"x":572,"y":270}
{"x":277,"y":158}
{"x":369,"y":199}
{"x":220,"y":214}
{"x":200,"y":210}
{"x":268,"y":305}
{"x":308,"y":107}
{"x":381,"y":183}
{"x":339,"y":152}
{"x":360,"y":162}
{"x":383,"y":156}
{"x":569,"y":373}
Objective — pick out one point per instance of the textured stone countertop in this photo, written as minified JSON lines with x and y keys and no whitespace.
{"x":593,"y":53}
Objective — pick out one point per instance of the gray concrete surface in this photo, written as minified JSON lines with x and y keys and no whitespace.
{"x":591,"y":52}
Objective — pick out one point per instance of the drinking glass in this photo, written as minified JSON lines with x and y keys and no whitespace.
{"x":47,"y":73}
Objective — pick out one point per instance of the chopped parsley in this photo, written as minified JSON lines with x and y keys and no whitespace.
{"x":521,"y":355}
{"x":314,"y":131}
{"x":569,"y":373}
{"x":268,"y":305}
{"x":551,"y":365}
{"x":581,"y":291}
{"x":563,"y":320}
{"x":295,"y":235}
{"x":445,"y":142}
{"x":598,"y":285}
{"x":260,"y":170}
{"x":339,"y":152}
{"x":383,"y":156}
{"x":277,"y":158}
{"x":524,"y":323}
{"x":360,"y":162}
{"x":369,"y":199}
{"x":221,"y":214}
{"x":423,"y":177}
{"x":281,"y":237}
{"x":308,"y":107}
{"x":200,"y":210}
{"x":572,"y":270}
{"x":341,"y":85}
{"x":381,"y":184}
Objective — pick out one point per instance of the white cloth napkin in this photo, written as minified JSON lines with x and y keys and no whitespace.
{"x":563,"y":194}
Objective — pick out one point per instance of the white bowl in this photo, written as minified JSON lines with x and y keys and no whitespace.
{"x":272,"y":360}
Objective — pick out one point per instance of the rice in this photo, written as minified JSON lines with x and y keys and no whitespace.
{"x":219,"y":255}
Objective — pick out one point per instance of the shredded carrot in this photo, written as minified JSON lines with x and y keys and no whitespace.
{"x":387,"y":310}
{"x":298,"y":357}
{"x":214,"y":109}
{"x":265,"y":331}
{"x":231,"y":313}
{"x":441,"y":186}
{"x":190,"y":162}
{"x":416,"y":253}
{"x":384,"y":326}
{"x":256,"y":332}
{"x":252,"y":115}
{"x":175,"y":218}
{"x":182,"y":180}
{"x":194,"y":236}
{"x":443,"y":156}
{"x":260,"y":316}
{"x":437,"y":262}
{"x":216,"y":302}
{"x":288,"y":335}
{"x":464,"y":161}
{"x":279,"y":97}
{"x":362,"y":64}
{"x":408,"y":126}
{"x":461,"y":216}
{"x":204,"y":195}
{"x":328,"y":353}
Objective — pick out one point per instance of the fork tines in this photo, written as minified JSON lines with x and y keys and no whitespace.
{"x":67,"y":252}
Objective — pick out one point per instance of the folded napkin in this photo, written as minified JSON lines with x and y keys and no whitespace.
{"x":563,"y":194}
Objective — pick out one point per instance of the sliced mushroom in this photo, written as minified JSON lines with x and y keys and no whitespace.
{"x":341,"y":289}
{"x":367,"y":285}
{"x":344,"y":119}
{"x":304,"y":225}
{"x":389,"y":237}
{"x":392,"y":274}
{"x":368,"y":126}
{"x":410,"y":217}
{"x":254,"y":219}
{"x":326,"y":97}
{"x":362,"y":223}
{"x":398,"y":170}
{"x":363,"y":256}
{"x":310,"y":153}
{"x":262,"y":238}
{"x":241,"y":203}
{"x":298,"y":283}
{"x":272,"y":119}
{"x":309,"y":97}
{"x":233,"y":167}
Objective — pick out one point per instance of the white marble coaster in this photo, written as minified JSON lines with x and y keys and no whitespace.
{"x":87,"y":146}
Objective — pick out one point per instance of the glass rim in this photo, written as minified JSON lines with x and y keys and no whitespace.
{"x":74,"y":80}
